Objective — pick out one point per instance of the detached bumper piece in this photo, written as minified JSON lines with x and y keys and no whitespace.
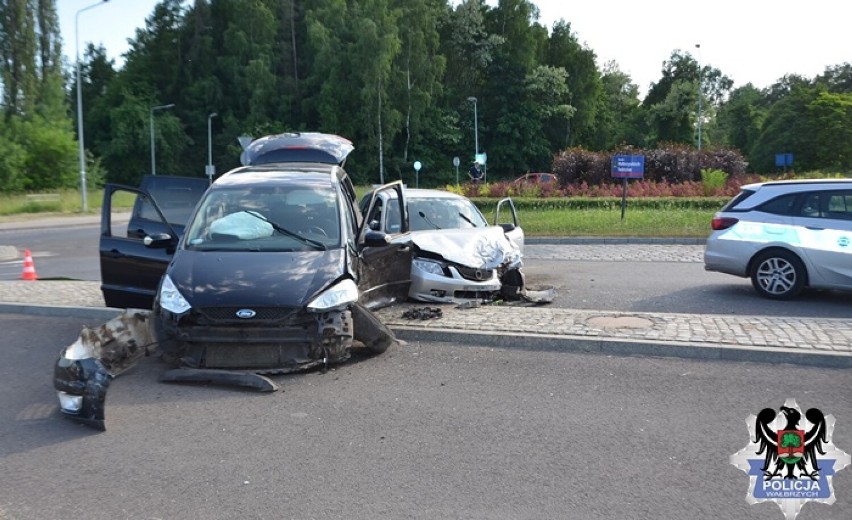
{"x":82,"y":387}
{"x":85,"y":369}
{"x":220,"y":377}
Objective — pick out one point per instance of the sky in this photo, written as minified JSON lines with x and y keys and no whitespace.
{"x":750,"y":41}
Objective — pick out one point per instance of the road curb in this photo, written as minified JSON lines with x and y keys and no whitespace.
{"x":100,"y":314}
{"x":585,"y":241}
{"x":621,"y":347}
{"x":628,"y":347}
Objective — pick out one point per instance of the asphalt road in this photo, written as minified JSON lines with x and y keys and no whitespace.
{"x":630,"y":277}
{"x":426,"y":430}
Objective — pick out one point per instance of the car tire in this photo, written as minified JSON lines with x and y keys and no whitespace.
{"x":778,"y":274}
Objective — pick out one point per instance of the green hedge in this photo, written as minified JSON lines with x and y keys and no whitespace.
{"x":487,"y":205}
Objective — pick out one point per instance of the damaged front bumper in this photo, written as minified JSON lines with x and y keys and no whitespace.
{"x":283,"y":340}
{"x":443,"y":282}
{"x":84,"y":370}
{"x":81,"y":385}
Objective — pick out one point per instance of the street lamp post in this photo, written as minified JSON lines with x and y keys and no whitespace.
{"x":80,"y":106}
{"x":698,"y":46}
{"x":210,"y":170}
{"x":475,"y":128}
{"x":153,"y":153}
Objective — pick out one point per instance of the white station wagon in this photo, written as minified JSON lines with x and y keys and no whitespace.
{"x":786,"y":236}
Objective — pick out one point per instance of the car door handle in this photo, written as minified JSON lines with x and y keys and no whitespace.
{"x":815,"y":228}
{"x":114,"y":253}
{"x":404,"y":249}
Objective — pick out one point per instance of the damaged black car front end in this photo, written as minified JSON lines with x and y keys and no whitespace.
{"x":274,"y":272}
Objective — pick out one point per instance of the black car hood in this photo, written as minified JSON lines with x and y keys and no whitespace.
{"x":292,"y":279}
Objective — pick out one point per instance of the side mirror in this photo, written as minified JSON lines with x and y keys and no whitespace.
{"x":374,"y":225}
{"x":376,"y":239}
{"x":157,"y":240}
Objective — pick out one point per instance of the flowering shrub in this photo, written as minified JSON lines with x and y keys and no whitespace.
{"x":635,"y":188}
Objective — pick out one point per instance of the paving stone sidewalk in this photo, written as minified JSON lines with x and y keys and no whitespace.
{"x":822,"y":342}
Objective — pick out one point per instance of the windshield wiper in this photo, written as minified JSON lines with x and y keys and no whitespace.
{"x":424,"y":217}
{"x":316,"y":244}
{"x":462,"y":215}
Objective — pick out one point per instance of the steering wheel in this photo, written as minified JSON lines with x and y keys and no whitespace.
{"x":315,"y":230}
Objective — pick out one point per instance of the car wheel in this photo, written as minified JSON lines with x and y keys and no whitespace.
{"x":171,"y":349}
{"x":778,"y":275}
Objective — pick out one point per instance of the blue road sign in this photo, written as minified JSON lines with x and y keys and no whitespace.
{"x":628,"y":166}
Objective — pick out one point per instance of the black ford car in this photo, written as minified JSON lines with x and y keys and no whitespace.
{"x":273,"y":270}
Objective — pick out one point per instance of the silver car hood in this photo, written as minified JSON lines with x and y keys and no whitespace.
{"x":482,"y":248}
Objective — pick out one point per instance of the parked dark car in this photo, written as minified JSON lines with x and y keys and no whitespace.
{"x":275,"y":272}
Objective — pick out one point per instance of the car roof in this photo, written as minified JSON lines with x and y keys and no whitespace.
{"x":423,"y":193}
{"x":764,"y":191}
{"x":274,"y":174}
{"x":799,"y":184}
{"x":297,"y":147}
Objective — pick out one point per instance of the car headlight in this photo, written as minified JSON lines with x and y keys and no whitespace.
{"x":429,"y":266}
{"x":171,"y":299}
{"x":71,"y":404}
{"x":339,"y":295}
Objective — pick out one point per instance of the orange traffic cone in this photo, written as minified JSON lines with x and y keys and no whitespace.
{"x":29,"y":267}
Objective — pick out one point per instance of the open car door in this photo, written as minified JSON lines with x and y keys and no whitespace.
{"x":506,"y":216}
{"x":130,"y":270}
{"x":385,"y":258}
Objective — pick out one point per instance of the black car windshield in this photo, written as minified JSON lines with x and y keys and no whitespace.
{"x":266,"y":218}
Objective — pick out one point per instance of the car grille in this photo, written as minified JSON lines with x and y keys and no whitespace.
{"x":223,"y":355}
{"x":473,"y":295}
{"x":476,"y":275}
{"x":229,"y":314}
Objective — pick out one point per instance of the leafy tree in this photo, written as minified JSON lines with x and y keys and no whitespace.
{"x":13,"y":157}
{"x":584,"y":86}
{"x":618,"y":117}
{"x":469,"y":49}
{"x":830,"y":118}
{"x":415,"y":84}
{"x":672,"y":115}
{"x":38,"y":137}
{"x":50,"y":157}
{"x":96,"y":76}
{"x":18,"y":52}
{"x":740,"y":119}
{"x":787,"y":131}
{"x":837,"y":79}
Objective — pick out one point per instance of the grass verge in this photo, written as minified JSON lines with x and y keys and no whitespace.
{"x":542,"y":217}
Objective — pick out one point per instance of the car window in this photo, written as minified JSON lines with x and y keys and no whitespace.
{"x":810,"y":206}
{"x":839,"y":205}
{"x":259,"y":218}
{"x":733,"y":203}
{"x":782,"y":205}
{"x":375,"y":217}
{"x":175,"y":196}
{"x":444,"y":213}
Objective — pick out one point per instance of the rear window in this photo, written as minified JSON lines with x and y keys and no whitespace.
{"x":782,"y":205}
{"x":743,"y":195}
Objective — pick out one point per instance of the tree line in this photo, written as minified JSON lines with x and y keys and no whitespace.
{"x":405,"y":80}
